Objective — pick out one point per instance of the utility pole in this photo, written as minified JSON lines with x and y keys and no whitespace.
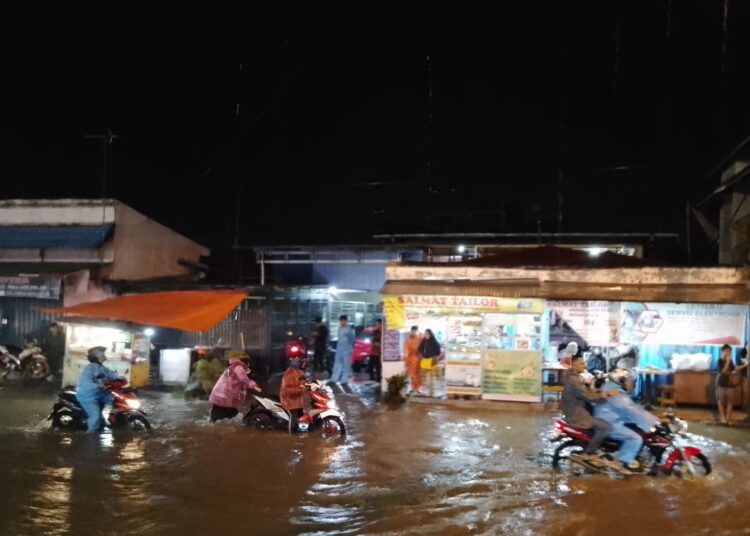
{"x":107,"y":138}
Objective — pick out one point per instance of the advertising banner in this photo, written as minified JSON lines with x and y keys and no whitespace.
{"x":596,"y":322}
{"x":463,"y":377}
{"x":391,"y":345}
{"x":682,"y":323}
{"x":512,"y":375}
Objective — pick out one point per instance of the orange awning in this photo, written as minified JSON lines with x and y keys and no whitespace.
{"x":188,"y":310}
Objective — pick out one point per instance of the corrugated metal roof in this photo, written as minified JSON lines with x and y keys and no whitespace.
{"x":54,"y":236}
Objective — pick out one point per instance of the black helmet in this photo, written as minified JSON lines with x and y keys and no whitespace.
{"x":95,"y":353}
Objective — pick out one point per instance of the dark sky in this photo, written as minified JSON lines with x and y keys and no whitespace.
{"x":334,"y":96}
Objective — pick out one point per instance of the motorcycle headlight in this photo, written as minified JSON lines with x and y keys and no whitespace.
{"x":133,"y":404}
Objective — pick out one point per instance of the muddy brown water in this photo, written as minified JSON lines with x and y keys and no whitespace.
{"x":411,"y":469}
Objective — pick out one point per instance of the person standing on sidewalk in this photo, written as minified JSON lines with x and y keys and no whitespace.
{"x":429,"y":353}
{"x":374,"y":365}
{"x":725,"y":384}
{"x":411,"y":358}
{"x":320,"y":346}
{"x":342,"y":366}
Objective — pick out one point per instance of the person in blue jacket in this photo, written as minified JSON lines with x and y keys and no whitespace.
{"x":92,"y":392}
{"x":619,"y":411}
{"x":342,"y":365}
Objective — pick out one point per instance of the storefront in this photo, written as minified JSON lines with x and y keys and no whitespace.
{"x":501,"y":326}
{"x":127,"y":351}
{"x":493,"y":346}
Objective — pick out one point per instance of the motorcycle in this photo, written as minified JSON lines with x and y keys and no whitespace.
{"x":67,"y":413}
{"x":681,"y":461}
{"x":29,"y":362}
{"x":267,"y":413}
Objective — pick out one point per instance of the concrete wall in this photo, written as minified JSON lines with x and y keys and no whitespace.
{"x":734,"y":220}
{"x":145,"y":249}
{"x":623,"y":276}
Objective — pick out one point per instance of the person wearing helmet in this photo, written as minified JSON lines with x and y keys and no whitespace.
{"x":619,"y":411}
{"x":92,"y":392}
{"x":292,"y":393}
{"x":230,"y":390}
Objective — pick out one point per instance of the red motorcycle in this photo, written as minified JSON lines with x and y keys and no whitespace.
{"x":661,"y":451}
{"x":67,"y":413}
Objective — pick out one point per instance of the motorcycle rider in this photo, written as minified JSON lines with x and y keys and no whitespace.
{"x":620,"y":410}
{"x":92,"y":392}
{"x":292,"y":393}
{"x":575,"y":400}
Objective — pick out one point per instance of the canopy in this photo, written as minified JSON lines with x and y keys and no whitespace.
{"x":188,"y":310}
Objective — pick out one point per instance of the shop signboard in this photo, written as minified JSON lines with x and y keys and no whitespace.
{"x":30,"y":287}
{"x":682,"y":323}
{"x":512,"y":375}
{"x":402,"y":310}
{"x":596,"y":322}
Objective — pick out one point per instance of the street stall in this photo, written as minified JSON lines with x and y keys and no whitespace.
{"x":120,"y":325}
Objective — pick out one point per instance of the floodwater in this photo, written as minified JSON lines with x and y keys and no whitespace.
{"x":410,"y":469}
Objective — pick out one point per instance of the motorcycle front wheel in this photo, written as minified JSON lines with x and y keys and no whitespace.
{"x":36,"y":369}
{"x":560,"y":458}
{"x":333,"y":427}
{"x":699,"y":462}
{"x":138,"y":423}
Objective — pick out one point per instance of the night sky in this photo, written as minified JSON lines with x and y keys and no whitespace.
{"x":633,"y":100}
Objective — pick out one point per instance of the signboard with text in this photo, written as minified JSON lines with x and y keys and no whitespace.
{"x":512,"y":375}
{"x":30,"y":287}
{"x":682,"y":323}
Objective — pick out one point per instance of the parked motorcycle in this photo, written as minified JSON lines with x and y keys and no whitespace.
{"x":267,"y":413}
{"x":67,"y":413}
{"x":29,"y":362}
{"x":662,"y":451}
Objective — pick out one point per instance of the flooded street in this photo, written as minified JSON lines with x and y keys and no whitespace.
{"x":411,"y":469}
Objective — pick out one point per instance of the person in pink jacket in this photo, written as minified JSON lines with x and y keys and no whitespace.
{"x":229,"y":392}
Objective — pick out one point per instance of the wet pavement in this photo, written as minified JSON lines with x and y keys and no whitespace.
{"x":403,"y":469}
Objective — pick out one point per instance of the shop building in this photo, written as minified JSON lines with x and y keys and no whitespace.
{"x":501,"y":318}
{"x":65,"y":252}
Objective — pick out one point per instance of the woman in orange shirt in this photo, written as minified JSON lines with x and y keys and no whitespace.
{"x":411,"y":356}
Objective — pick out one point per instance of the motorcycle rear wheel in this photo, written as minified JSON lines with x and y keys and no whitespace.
{"x":65,"y":420}
{"x":259,"y":419}
{"x":560,"y":458}
{"x":333,"y":427}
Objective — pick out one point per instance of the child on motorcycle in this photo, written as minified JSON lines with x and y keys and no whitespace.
{"x":92,"y":392}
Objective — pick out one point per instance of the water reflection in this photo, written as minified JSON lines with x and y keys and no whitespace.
{"x":403,"y":469}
